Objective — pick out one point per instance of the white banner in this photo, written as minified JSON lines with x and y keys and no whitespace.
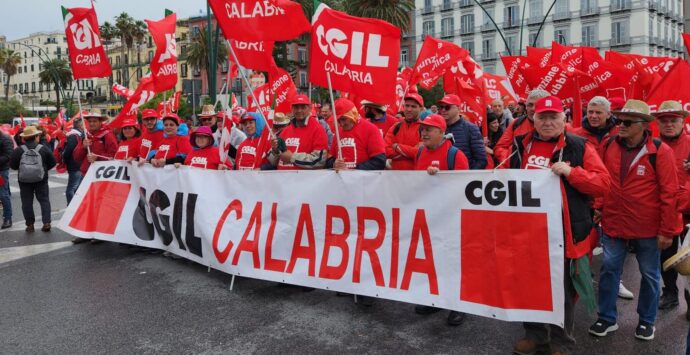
{"x":481,"y":242}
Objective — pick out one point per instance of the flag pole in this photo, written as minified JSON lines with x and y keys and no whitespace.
{"x":335,"y":116}
{"x":81,"y":114}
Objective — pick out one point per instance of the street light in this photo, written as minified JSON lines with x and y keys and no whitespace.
{"x":44,"y":61}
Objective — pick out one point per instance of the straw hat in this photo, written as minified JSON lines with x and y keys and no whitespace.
{"x":280,"y":119}
{"x":670,"y":108}
{"x":635,"y":108}
{"x":95,"y":113}
{"x":207,"y":110}
{"x":374,"y":105}
{"x":30,"y":131}
{"x":680,"y":261}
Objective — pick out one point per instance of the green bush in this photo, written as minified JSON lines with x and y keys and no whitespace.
{"x":10,"y":109}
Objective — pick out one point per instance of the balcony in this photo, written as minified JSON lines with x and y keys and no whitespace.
{"x":511,"y":24}
{"x":427,"y":10}
{"x":535,"y":20}
{"x":447,"y":34}
{"x":561,"y":16}
{"x":488,"y":27}
{"x":618,"y":6}
{"x":447,"y":6}
{"x":466,"y":3}
{"x":620,"y":41}
{"x":488,"y":56}
{"x":590,"y":11}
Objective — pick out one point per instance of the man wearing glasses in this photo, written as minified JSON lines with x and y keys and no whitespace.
{"x":640,"y":211}
{"x":518,"y":127}
{"x":467,"y":136}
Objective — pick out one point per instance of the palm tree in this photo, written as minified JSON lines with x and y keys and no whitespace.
{"x":9,"y":62}
{"x":198,"y":54}
{"x":139,"y":31}
{"x":58,"y":73}
{"x":125,"y":25}
{"x":397,"y":12}
{"x":108,"y":33}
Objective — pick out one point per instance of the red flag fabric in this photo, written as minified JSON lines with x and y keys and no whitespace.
{"x":263,"y":94}
{"x":686,"y":39}
{"x":142,"y":94}
{"x":673,"y":86}
{"x":260,"y":20}
{"x":86,"y":51}
{"x":613,"y":79}
{"x":21,"y":117}
{"x":282,"y":88}
{"x":254,"y":55}
{"x":164,"y":62}
{"x":648,"y":70}
{"x":515,"y":65}
{"x":435,"y":57}
{"x":60,"y":118}
{"x":572,"y":56}
{"x":498,"y":88}
{"x":539,"y":56}
{"x":361,"y":54}
{"x":122,"y":91}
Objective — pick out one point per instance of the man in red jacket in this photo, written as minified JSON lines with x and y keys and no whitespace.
{"x":361,"y":144}
{"x":403,"y":139}
{"x":100,"y":143}
{"x":599,"y":125}
{"x":150,"y":135}
{"x":584,"y":177}
{"x":518,"y":127}
{"x":433,"y":155}
{"x":670,"y":119}
{"x":640,"y":211}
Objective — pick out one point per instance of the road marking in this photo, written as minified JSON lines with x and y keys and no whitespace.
{"x":51,"y":185}
{"x":15,"y":253}
{"x":21,"y":225}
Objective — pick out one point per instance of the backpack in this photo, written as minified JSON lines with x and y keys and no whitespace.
{"x":31,"y":165}
{"x":450,"y":157}
{"x":652,"y":157}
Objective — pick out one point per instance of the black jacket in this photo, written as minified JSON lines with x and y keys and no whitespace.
{"x":68,"y":152}
{"x":46,"y":156}
{"x":6,"y":148}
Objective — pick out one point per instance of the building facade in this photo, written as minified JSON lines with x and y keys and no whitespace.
{"x":646,"y":27}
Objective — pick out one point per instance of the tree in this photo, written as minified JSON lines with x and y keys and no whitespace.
{"x":126,"y":29}
{"x":397,"y":12}
{"x":9,"y":62}
{"x":108,"y":34}
{"x":199,"y":52}
{"x":56,"y":72}
{"x":10,"y":109}
{"x":432,"y":96}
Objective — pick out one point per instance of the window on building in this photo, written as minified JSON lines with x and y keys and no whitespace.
{"x":535,"y":9}
{"x":619,"y":32}
{"x":428,"y":28}
{"x":533,"y":40}
{"x":303,"y":79}
{"x":183,"y":70}
{"x":488,"y":50}
{"x":589,"y":6}
{"x":486,"y":20}
{"x":33,"y":87}
{"x":512,"y":41}
{"x":447,"y":26}
{"x":117,"y":60}
{"x":118,"y":75}
{"x":32,"y":67}
{"x":561,"y":35}
{"x":447,"y":4}
{"x":126,"y":59}
{"x":403,"y":57}
{"x":139,"y":73}
{"x":589,"y":35}
{"x":302,"y":55}
{"x":26,"y":87}
{"x":469,"y":46}
{"x":19,"y":70}
{"x":512,"y":15}
{"x":196,"y":71}
{"x":467,"y":23}
{"x":427,"y":5}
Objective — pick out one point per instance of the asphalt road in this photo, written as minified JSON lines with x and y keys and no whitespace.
{"x":59,"y":298}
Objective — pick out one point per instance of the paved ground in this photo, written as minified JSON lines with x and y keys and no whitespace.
{"x":59,"y":298}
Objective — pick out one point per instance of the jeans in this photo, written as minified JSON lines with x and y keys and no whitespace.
{"x":27,"y":192}
{"x":5,"y":196}
{"x":647,"y":254}
{"x":73,"y":181}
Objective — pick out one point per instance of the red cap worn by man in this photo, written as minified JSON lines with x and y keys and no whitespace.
{"x":437,"y":152}
{"x":151,"y":135}
{"x":361,"y":145}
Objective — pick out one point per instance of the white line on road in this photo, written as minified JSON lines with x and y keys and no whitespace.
{"x":14,"y":253}
{"x":20,"y":225}
{"x":51,"y":185}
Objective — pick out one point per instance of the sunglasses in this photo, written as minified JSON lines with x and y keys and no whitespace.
{"x":445,"y":107}
{"x":627,"y":123}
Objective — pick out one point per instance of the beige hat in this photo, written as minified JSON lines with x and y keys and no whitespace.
{"x":30,"y":132}
{"x":95,"y":113}
{"x":635,"y":108}
{"x":374,"y":105}
{"x":280,"y":119}
{"x":680,"y":261}
{"x":670,"y":107}
{"x":207,"y":110}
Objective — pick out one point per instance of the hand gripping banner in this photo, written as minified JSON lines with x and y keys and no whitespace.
{"x":485,"y":243}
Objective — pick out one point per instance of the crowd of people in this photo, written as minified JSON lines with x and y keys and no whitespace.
{"x":624,"y":189}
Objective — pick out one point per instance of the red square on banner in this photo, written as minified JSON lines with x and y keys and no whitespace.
{"x":505,"y":264}
{"x":101,"y":208}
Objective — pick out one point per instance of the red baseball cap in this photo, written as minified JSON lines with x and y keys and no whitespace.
{"x":450,"y":99}
{"x":130,"y":122}
{"x":415,"y":97}
{"x":343,"y":106}
{"x":548,"y":104}
{"x":172,"y":116}
{"x":435,"y":120}
{"x":301,"y":100}
{"x":149,"y":113}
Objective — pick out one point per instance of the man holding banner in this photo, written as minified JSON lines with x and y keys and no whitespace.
{"x":583,"y":177}
{"x":518,"y":127}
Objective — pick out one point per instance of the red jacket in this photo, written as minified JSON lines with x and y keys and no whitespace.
{"x":359,"y":144}
{"x":644,"y":205}
{"x":206,"y":158}
{"x":173,"y":147}
{"x":149,"y":142}
{"x":407,"y":141}
{"x":246,"y":153}
{"x":503,"y":147}
{"x":128,"y":148}
{"x":592,"y":138}
{"x":384,"y":124}
{"x":103,"y":144}
{"x":439,"y":158}
{"x":681,"y":151}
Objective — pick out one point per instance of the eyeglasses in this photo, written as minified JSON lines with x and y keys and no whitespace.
{"x":445,"y":107}
{"x":627,"y":123}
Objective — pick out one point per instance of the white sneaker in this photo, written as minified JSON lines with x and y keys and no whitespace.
{"x":598,"y":251}
{"x":624,"y":293}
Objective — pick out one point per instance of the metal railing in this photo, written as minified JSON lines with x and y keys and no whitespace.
{"x":618,"y":5}
{"x":590,"y":11}
{"x":565,"y":15}
{"x":620,"y":41}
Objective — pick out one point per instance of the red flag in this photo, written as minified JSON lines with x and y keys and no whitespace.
{"x":648,"y":70}
{"x":263,"y":94}
{"x":21,"y":117}
{"x":260,"y":20}
{"x":435,"y":57}
{"x":515,"y":67}
{"x":539,"y":56}
{"x":60,"y":118}
{"x":572,"y":56}
{"x":673,"y":86}
{"x":613,"y":79}
{"x":361,"y":54}
{"x":282,"y":88}
{"x":86,"y":52}
{"x":498,"y":88}
{"x":164,"y":62}
{"x":142,"y":94}
{"x":122,"y":91}
{"x":686,"y":39}
{"x":254,"y":55}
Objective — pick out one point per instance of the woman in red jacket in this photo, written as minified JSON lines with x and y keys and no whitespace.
{"x":204,"y":154}
{"x":172,"y":148}
{"x":130,"y":141}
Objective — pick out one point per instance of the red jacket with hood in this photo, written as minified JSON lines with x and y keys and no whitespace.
{"x":103,"y":144}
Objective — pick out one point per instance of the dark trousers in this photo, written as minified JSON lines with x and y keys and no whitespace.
{"x":670,"y":276}
{"x":27,"y":192}
{"x":560,"y":339}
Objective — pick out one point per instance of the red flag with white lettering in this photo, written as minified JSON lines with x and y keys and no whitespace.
{"x":648,"y":70}
{"x":613,"y":79}
{"x":260,"y":20}
{"x":686,"y":39}
{"x":122,"y":90}
{"x":142,"y":95}
{"x":539,"y":56}
{"x":86,"y":52}
{"x":435,"y":57}
{"x":515,"y":67}
{"x":263,"y":94}
{"x":282,"y":88}
{"x":361,"y":54}
{"x":498,"y":87}
{"x":164,"y":62}
{"x":673,"y":86}
{"x":256,"y":55}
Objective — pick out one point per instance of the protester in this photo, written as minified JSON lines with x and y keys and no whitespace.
{"x":467,"y":136}
{"x":434,"y":109}
{"x":376,"y":114}
{"x":437,"y":152}
{"x":280,"y":121}
{"x":504,"y":115}
{"x":33,"y":161}
{"x":599,"y":123}
{"x":99,"y":144}
{"x":494,"y":133}
{"x":403,"y":139}
{"x":584,"y":177}
{"x":255,"y":144}
{"x":228,"y":139}
{"x":640,"y":211}
{"x":361,"y":144}
{"x":130,"y":140}
{"x":151,"y":135}
{"x":173,"y":148}
{"x":301,"y":145}
{"x":207,"y":118}
{"x":520,"y":126}
{"x":204,"y":154}
{"x":670,"y":118}
{"x":73,"y":140}
{"x":6,"y":148}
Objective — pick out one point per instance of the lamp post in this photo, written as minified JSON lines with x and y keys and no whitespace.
{"x":38,"y":50}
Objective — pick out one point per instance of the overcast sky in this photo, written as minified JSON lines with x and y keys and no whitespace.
{"x":19,"y":18}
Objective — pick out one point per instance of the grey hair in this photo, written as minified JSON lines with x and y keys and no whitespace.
{"x":600,"y":101}
{"x":537,"y":94}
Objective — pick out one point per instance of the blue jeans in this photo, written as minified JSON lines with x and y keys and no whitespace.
{"x":5,"y":195}
{"x":687,"y":344}
{"x":647,"y":254}
{"x":73,"y":181}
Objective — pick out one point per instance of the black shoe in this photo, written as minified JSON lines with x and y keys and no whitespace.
{"x":419,"y":309}
{"x":668,"y":301}
{"x":79,"y":240}
{"x":7,"y":224}
{"x":645,"y":331}
{"x":365,"y":301}
{"x":687,"y":315}
{"x":455,"y":318}
{"x":46,"y":227}
{"x":29,"y":228}
{"x":602,"y":328}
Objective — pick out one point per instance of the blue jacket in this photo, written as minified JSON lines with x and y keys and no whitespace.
{"x":469,"y":139}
